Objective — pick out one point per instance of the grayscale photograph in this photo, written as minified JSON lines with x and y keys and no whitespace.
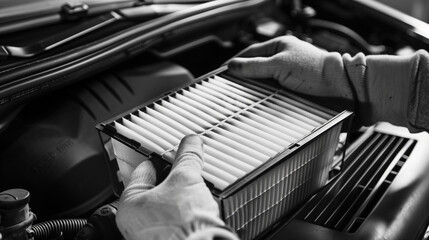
{"x":214,"y":120}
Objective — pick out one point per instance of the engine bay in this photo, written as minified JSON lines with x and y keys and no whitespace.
{"x":51,"y":102}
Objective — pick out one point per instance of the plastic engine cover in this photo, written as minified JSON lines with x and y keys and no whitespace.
{"x":53,"y":150}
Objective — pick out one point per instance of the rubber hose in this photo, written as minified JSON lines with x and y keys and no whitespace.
{"x":68,"y":227}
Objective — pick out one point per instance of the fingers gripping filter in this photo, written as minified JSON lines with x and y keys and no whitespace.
{"x":265,"y":150}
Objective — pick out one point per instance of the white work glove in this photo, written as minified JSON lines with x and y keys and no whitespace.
{"x":297,"y":65}
{"x":376,"y":87}
{"x":181,"y":207}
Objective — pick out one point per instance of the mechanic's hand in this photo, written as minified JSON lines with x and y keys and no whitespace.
{"x":296,"y":64}
{"x":181,"y":207}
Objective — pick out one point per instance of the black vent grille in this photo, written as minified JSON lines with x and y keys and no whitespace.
{"x":345,"y":205}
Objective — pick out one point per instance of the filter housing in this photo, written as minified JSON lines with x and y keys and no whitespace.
{"x":266,"y":150}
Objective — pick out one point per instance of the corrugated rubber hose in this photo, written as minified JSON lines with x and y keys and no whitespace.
{"x":68,"y":227}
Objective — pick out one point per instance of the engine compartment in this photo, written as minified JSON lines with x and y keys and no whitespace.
{"x":49,"y":142}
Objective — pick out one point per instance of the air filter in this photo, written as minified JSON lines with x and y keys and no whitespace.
{"x":266,"y":150}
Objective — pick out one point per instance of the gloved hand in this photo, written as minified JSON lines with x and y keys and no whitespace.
{"x":181,"y":207}
{"x":376,"y":87}
{"x":297,"y":65}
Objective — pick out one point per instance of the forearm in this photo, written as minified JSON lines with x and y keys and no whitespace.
{"x":418,"y":105}
{"x":386,"y":88}
{"x":213,"y":233}
{"x":383,"y":87}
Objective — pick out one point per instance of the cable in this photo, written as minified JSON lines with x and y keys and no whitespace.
{"x":101,"y":225}
{"x":347,"y":32}
{"x":68,"y":227}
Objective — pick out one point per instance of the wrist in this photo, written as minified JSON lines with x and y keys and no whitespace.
{"x":208,"y":226}
{"x":213,"y":232}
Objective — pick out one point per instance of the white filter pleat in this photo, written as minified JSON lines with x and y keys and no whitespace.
{"x":287,"y":132}
{"x":232,"y":104}
{"x":259,"y":191}
{"x":207,"y":101}
{"x":243,"y":216}
{"x":234,"y":203}
{"x":296,"y":112}
{"x":169,"y":155}
{"x":173,"y":115}
{"x":238,"y":146}
{"x":254,"y":206}
{"x":232,"y":172}
{"x":273,"y":201}
{"x":246,"y":141}
{"x":282,"y":124}
{"x":160,"y":124}
{"x":210,"y":97}
{"x":279,"y":197}
{"x":202,"y":106}
{"x":252,"y":136}
{"x":271,"y":138}
{"x":267,"y":126}
{"x":236,"y":95}
{"x":155,"y":130}
{"x":261,"y":93}
{"x":139,"y":138}
{"x":288,"y":180}
{"x":147,"y":134}
{"x":231,"y":151}
{"x":169,"y":121}
{"x":218,"y":172}
{"x":293,"y":180}
{"x":228,"y":159}
{"x":232,"y":89}
{"x":305,"y":107}
{"x":197,"y":120}
{"x":195,"y":111}
{"x":275,"y":191}
{"x":282,"y":191}
{"x":264,"y":197}
{"x":216,"y":181}
{"x":213,"y":168}
{"x":287,"y":115}
{"x":246,"y":211}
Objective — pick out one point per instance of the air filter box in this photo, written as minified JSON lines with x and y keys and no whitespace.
{"x":266,"y":150}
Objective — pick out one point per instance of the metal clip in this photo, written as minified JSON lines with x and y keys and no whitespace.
{"x":74,"y":10}
{"x":143,"y":3}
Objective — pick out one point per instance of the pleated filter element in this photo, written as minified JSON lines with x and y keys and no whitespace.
{"x":265,"y":150}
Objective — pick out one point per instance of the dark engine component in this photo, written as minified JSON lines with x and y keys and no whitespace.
{"x":53,"y":150}
{"x":57,"y":229}
{"x":15,"y":214}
